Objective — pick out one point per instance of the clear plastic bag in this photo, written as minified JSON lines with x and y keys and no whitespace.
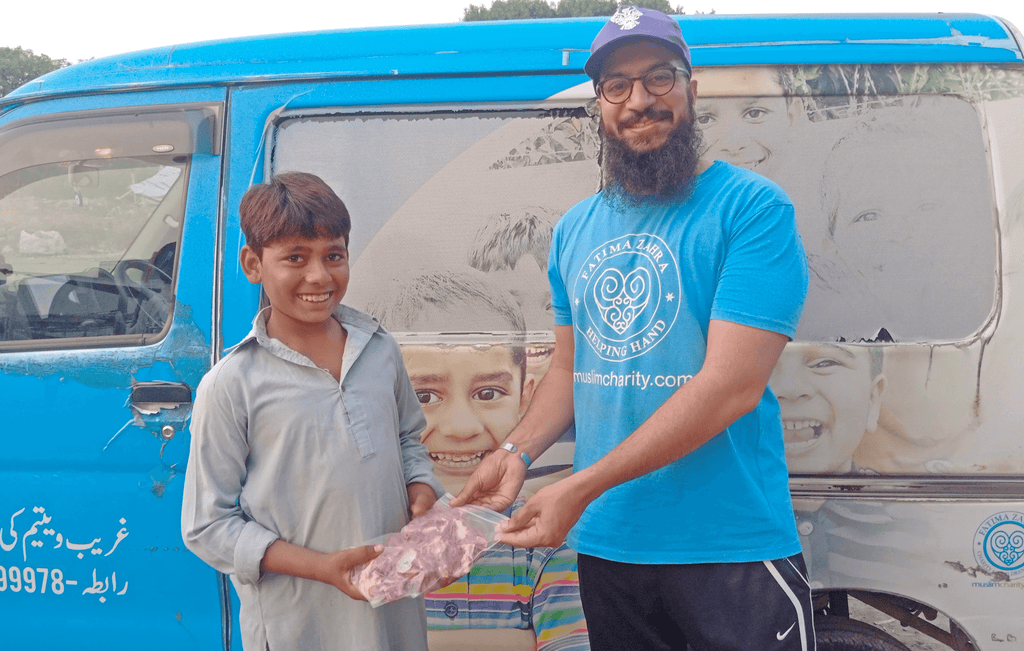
{"x":428,"y":553}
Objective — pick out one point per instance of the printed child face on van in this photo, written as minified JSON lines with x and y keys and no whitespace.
{"x":512,"y":247}
{"x":907,"y":200}
{"x":528,"y":284}
{"x":472,"y":397}
{"x":907,"y":204}
{"x":829,"y":396}
{"x":743,"y":115}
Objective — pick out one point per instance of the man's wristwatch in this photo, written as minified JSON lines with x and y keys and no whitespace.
{"x":511,"y":447}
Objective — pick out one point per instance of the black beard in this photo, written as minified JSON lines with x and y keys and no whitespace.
{"x":658,"y":173}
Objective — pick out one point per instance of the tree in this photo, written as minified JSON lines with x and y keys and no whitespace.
{"x":510,"y":10}
{"x":580,"y":8}
{"x":18,"y":66}
{"x":524,"y":9}
{"x":661,"y":5}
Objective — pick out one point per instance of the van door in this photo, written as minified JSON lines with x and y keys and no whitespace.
{"x":107,"y":224}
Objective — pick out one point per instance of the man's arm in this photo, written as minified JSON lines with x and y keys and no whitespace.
{"x":736,"y":369}
{"x":498,"y":480}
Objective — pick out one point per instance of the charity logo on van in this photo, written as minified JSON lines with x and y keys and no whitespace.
{"x":999,"y":543}
{"x":627,"y":294}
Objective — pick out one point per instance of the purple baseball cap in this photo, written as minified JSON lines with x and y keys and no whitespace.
{"x":636,"y":24}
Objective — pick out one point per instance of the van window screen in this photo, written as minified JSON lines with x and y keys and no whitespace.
{"x":892,"y":194}
{"x":87,"y":248}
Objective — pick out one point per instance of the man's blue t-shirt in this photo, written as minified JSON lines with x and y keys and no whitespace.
{"x":639,"y":284}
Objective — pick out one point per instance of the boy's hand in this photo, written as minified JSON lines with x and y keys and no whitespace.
{"x":495,"y":483}
{"x":338,"y":567}
{"x":421,"y":498}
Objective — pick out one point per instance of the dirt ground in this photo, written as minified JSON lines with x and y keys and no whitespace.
{"x":914,"y":639}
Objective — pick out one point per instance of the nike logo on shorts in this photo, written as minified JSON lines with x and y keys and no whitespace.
{"x":782,"y":636}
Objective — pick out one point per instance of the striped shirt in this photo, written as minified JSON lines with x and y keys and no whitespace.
{"x":517,"y":587}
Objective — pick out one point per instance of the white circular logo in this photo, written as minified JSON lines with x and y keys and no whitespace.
{"x":630,"y":290}
{"x":627,"y":18}
{"x":999,"y":543}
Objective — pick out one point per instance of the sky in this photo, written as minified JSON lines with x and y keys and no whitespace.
{"x":75,"y":30}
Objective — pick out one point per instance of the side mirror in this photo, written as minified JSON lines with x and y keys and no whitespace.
{"x":82,"y":176}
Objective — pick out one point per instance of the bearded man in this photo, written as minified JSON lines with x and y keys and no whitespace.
{"x":674,"y":290}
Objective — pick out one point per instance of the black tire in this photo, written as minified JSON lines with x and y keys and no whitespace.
{"x":842,"y":634}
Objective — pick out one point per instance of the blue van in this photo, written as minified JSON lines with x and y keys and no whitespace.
{"x":900,"y":139}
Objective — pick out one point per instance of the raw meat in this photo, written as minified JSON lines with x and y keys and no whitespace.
{"x":426,"y":554}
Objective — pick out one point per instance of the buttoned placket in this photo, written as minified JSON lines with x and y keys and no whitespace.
{"x":355,"y":416}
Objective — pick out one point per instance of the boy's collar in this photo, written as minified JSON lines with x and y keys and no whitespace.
{"x":346,"y":315}
{"x":351,"y":316}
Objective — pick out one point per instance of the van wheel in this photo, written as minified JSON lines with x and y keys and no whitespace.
{"x":843,"y":634}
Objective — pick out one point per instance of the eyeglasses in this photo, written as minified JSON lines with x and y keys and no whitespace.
{"x":617,"y":90}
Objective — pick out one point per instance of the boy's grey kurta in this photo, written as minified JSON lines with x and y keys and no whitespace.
{"x":282,"y":450}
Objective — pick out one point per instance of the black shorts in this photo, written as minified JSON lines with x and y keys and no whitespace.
{"x":758,"y":606}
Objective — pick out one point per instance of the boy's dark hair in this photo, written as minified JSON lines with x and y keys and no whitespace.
{"x":292,"y":204}
{"x":867,"y":132}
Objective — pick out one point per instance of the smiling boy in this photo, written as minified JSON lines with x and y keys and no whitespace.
{"x":305,"y":440}
{"x":472,"y":397}
{"x":829,"y":397}
{"x":744,"y":115}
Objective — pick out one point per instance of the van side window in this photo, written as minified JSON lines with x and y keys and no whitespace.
{"x":90,"y":217}
{"x":892,"y":191}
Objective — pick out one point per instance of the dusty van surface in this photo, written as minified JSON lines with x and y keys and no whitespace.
{"x":456,"y":149}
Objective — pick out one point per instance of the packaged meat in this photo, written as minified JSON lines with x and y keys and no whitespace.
{"x":428,"y":553}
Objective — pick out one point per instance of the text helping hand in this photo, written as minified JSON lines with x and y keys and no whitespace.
{"x":495,"y":483}
{"x":546,"y":518}
{"x":338,"y":567}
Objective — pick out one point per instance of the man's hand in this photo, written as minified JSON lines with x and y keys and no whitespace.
{"x":546,"y":518}
{"x":498,"y":480}
{"x":421,"y":498}
{"x":496,"y":483}
{"x":337,"y":568}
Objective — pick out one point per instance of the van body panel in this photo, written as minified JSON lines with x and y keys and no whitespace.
{"x":542,"y":45}
{"x":928,"y":552}
{"x":91,"y":505}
